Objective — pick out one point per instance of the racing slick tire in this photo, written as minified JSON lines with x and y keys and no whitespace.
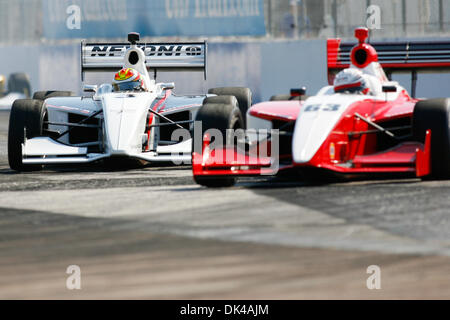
{"x":286,"y":97}
{"x":27,"y":116}
{"x":19,"y":82}
{"x":220,"y":113}
{"x":434,"y":114}
{"x":215,"y":114}
{"x":280,"y":97}
{"x":42,"y":95}
{"x":243,"y":96}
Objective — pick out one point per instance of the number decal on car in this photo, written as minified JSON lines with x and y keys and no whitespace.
{"x":331,"y":107}
{"x":312,"y":107}
{"x":325,"y":107}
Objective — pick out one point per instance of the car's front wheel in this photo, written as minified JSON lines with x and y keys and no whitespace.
{"x":434,"y":115}
{"x":242,"y":95}
{"x":25,"y":122}
{"x":221,"y":113}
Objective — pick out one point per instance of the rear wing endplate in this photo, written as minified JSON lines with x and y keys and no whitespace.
{"x":406,"y":56}
{"x":99,"y":57}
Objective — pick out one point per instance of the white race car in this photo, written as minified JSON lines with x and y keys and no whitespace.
{"x":57,"y":127}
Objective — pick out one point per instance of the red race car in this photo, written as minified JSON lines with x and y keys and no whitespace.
{"x":362,"y":123}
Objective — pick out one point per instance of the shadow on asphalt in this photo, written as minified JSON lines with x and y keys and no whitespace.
{"x":99,"y":167}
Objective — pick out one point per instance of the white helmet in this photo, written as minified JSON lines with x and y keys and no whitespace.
{"x":351,"y":81}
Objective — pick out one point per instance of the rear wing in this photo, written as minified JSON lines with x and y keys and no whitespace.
{"x":406,"y":56}
{"x":98,"y":57}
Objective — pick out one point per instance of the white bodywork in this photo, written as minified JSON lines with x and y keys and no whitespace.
{"x":313,"y":127}
{"x":320,"y":114}
{"x":123,"y":117}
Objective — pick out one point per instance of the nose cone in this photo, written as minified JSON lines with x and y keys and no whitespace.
{"x":315,"y":122}
{"x":125,"y":116}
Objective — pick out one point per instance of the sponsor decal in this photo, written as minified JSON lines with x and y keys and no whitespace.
{"x":332,"y":151}
{"x":149,"y":50}
{"x":326,"y":107}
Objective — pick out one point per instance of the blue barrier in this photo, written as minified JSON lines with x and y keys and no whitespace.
{"x":115,"y":18}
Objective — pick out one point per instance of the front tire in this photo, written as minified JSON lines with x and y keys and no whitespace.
{"x":434,"y":114}
{"x":243,"y":96}
{"x":27,"y":116}
{"x":215,"y":114}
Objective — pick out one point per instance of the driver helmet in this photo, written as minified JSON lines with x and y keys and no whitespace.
{"x":350,"y":81}
{"x":128,"y":79}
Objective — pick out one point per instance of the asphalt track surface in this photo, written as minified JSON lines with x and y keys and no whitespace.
{"x":151,"y":233}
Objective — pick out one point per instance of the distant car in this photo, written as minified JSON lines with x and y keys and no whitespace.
{"x":365,"y":127}
{"x":57,"y":127}
{"x":18,"y":88}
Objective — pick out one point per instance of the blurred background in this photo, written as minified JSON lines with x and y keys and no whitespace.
{"x":267,"y":45}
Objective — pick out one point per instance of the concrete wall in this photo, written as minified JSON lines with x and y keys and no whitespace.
{"x":266,"y":67}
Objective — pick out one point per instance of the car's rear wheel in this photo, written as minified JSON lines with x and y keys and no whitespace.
{"x":434,"y":114}
{"x":286,"y":97}
{"x":19,"y":82}
{"x":42,"y":95}
{"x":25,"y":121}
{"x":220,"y":113}
{"x":243,"y":96}
{"x":280,"y":97}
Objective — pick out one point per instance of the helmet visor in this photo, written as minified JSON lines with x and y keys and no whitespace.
{"x":350,"y":88}
{"x":127,"y":86}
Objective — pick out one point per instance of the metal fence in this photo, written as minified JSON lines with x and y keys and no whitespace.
{"x":21,"y":21}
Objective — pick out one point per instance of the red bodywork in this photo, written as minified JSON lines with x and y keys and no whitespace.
{"x":229,"y":161}
{"x":354,"y":145}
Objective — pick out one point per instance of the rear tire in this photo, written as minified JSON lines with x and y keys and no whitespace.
{"x":286,"y":97}
{"x":42,"y":95}
{"x":221,"y":116}
{"x":27,"y":115}
{"x":19,"y":82}
{"x":243,"y":96}
{"x":434,"y":114}
{"x":280,"y":97}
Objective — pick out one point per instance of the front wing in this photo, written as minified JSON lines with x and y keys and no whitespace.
{"x":45,"y":150}
{"x":409,"y":157}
